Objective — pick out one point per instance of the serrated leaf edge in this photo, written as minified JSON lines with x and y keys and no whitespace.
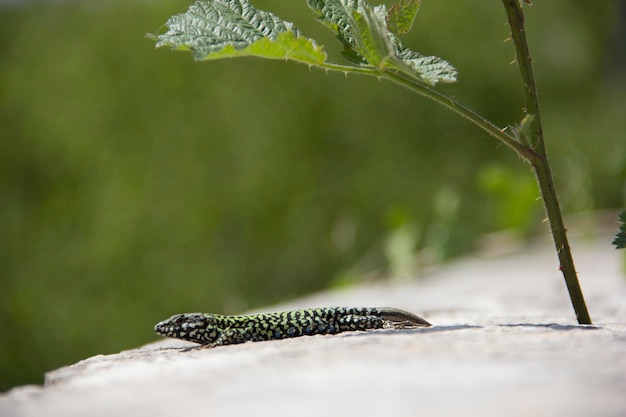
{"x":234,"y":28}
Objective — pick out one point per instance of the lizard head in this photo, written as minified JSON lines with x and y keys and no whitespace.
{"x":193,"y":327}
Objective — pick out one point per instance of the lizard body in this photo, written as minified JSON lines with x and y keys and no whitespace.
{"x":218,"y":330}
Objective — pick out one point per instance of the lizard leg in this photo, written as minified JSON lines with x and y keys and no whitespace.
{"x":231,"y":336}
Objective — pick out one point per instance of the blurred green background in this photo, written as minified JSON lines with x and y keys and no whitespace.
{"x":135,"y":183}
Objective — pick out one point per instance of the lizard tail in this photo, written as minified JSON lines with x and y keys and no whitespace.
{"x":402,"y":317}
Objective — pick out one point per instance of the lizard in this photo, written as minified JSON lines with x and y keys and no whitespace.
{"x":219,"y":330}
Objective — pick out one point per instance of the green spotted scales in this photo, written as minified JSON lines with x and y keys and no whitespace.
{"x":218,"y":330}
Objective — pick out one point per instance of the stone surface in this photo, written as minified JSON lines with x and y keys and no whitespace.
{"x":504,"y":343}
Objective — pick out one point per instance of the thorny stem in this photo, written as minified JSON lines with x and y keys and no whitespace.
{"x":463,"y":111}
{"x":458,"y":108}
{"x":540,"y":161}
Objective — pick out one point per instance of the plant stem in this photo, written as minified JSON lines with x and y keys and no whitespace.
{"x":458,"y":108}
{"x":540,"y":162}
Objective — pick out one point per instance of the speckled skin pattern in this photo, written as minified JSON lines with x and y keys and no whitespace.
{"x":218,"y":330}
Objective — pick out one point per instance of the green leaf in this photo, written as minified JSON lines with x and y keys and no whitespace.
{"x":401,"y":16}
{"x":233,"y":28}
{"x":375,"y":44}
{"x":359,"y":28}
{"x":620,"y":238}
{"x":431,"y":69}
{"x":364,"y":32}
{"x":214,"y":29}
{"x":338,"y":16}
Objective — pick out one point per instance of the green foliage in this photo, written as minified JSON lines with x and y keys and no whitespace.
{"x":620,"y":238}
{"x":230,"y":28}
